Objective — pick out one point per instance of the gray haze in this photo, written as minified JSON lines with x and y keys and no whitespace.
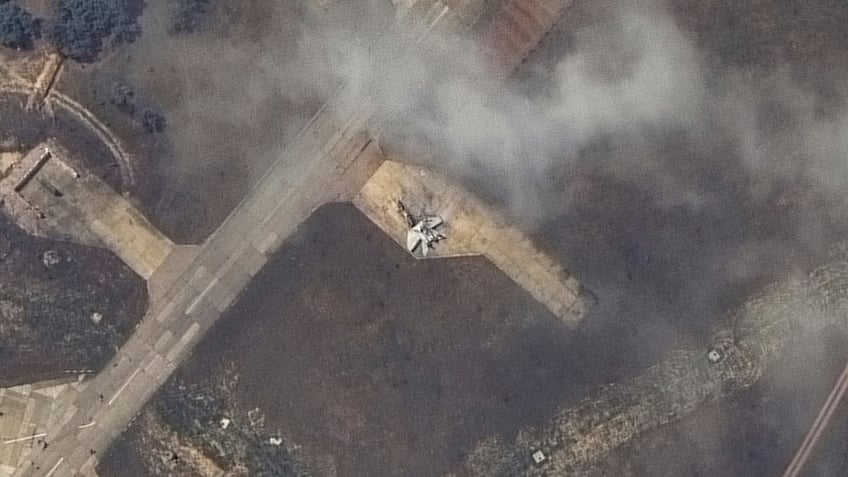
{"x":628,"y":86}
{"x":635,"y":80}
{"x":625,"y":78}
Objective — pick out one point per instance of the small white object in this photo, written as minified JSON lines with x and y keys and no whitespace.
{"x":225,"y":423}
{"x":96,"y":317}
{"x":539,"y":457}
{"x":275,"y":441}
{"x":714,"y":356}
{"x":8,"y":161}
{"x":50,"y":258}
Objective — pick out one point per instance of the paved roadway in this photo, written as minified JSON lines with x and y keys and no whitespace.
{"x":320,"y":166}
{"x":331,"y":159}
{"x":819,"y":424}
{"x":282,"y":199}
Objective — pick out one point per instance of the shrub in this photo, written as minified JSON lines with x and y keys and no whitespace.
{"x":152,"y":121}
{"x":81,"y":27}
{"x":17,"y":27}
{"x":123,"y":98}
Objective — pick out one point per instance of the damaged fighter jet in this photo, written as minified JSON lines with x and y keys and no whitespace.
{"x":422,"y":231}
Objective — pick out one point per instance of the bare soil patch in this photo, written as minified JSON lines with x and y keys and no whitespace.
{"x":233,"y":93}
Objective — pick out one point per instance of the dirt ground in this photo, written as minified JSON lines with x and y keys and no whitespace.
{"x":665,"y":274}
{"x":755,"y":432}
{"x":22,"y":130}
{"x":388,"y":365}
{"x":766,"y":33}
{"x":46,"y":315}
{"x":364,"y":374}
{"x":233,"y":94}
{"x":46,"y":326}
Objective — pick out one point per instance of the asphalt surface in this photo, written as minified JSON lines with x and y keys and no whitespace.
{"x":321,"y":165}
{"x":361,"y":355}
{"x":224,"y":264}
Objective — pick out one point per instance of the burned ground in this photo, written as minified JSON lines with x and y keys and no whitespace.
{"x":23,"y":130}
{"x":47,"y":305}
{"x":185,"y":191}
{"x":353,"y":350}
{"x":665,"y":274}
{"x":231,"y":94}
{"x":767,"y":33}
{"x":329,"y":373}
{"x":47,"y":326}
{"x":666,"y":268}
{"x":756,"y":431}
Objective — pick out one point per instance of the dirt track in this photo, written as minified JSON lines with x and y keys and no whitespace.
{"x":230,"y":94}
{"x":47,"y":322}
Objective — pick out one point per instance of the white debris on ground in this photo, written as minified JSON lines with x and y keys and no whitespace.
{"x":50,"y":258}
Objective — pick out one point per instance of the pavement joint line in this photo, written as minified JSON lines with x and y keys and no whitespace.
{"x":198,"y":272}
{"x":200,"y":297}
{"x":163,"y":339}
{"x":85,"y":426}
{"x":157,"y":361}
{"x":175,"y":350}
{"x":123,"y":386}
{"x":56,"y":466}
{"x":267,"y":243}
{"x":25,"y":438}
{"x":263,"y":181}
{"x":283,"y":201}
{"x":190,"y":333}
{"x":89,"y":464}
{"x":166,"y":311}
{"x":69,"y":414}
{"x":233,"y":260}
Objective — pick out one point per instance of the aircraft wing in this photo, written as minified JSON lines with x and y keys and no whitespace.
{"x":413,"y":240}
{"x":432,"y":221}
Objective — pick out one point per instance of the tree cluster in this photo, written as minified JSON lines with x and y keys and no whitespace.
{"x":81,"y":28}
{"x":18,"y":29}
